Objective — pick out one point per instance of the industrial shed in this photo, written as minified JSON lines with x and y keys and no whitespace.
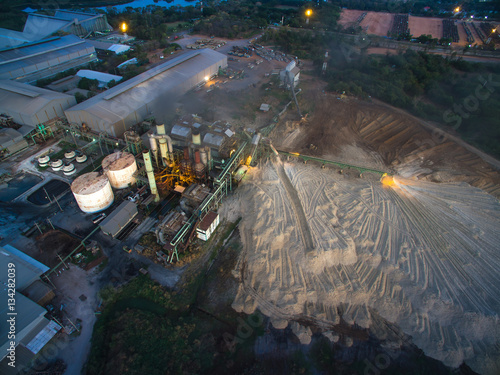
{"x":33,"y":330}
{"x":40,"y":26}
{"x":33,"y":61}
{"x":31,"y":105}
{"x":119,"y":218}
{"x":11,"y":141}
{"x":149,"y":93}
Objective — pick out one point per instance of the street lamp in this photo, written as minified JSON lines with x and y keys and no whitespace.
{"x":308,"y":14}
{"x":123,"y":27}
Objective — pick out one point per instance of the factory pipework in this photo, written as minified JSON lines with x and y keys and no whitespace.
{"x":151,"y":176}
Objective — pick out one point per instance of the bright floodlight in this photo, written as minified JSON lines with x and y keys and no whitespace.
{"x":207,"y":78}
{"x":457,"y":9}
{"x":123,"y":27}
{"x":308,"y":12}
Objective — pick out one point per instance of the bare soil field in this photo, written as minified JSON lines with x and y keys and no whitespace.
{"x":420,"y":255}
{"x":329,"y":250}
{"x":375,"y":135}
{"x":52,"y":243}
{"x":377,"y":23}
{"x":374,"y":22}
{"x":424,"y":25}
{"x":349,"y":16}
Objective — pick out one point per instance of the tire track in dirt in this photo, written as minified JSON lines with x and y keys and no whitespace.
{"x":300,"y":216}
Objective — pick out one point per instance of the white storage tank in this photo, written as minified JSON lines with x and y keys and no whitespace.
{"x":92,"y":192}
{"x":120,"y":168}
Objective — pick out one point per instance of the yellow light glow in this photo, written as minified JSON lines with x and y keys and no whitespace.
{"x":457,"y":9}
{"x":249,"y":160}
{"x":387,"y":180}
{"x":123,"y":27}
{"x":232,"y":152}
{"x":309,"y":12}
{"x":494,"y":30}
{"x":207,"y":78}
{"x":295,"y":153}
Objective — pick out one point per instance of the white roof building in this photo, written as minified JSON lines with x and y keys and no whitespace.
{"x":40,"y":26}
{"x":32,"y":329}
{"x":103,"y":78}
{"x":31,"y":62}
{"x":150,"y":93}
{"x":119,"y":48}
{"x":31,"y":105}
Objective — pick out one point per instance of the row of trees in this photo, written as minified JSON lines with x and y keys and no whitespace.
{"x":430,"y":86}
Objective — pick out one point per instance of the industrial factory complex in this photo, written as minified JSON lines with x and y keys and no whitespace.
{"x":151,"y":93}
{"x":195,"y":185}
{"x":191,"y":158}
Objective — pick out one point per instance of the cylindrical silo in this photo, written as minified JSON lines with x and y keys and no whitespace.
{"x":203,"y":156}
{"x":92,"y":192}
{"x":163,"y":150}
{"x":196,"y":137}
{"x":151,"y":175}
{"x":120,"y":168}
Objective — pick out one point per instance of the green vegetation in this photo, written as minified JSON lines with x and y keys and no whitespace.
{"x":145,"y":329}
{"x":447,"y":90}
{"x":88,"y":84}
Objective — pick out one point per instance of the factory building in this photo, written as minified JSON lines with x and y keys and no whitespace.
{"x":32,"y":329}
{"x":207,"y":226}
{"x":31,"y":62}
{"x":212,"y":140}
{"x":119,"y":218}
{"x":40,"y":26}
{"x":31,"y":105}
{"x":11,"y":141}
{"x":150,"y":93}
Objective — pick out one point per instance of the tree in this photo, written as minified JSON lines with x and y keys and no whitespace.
{"x":79,"y":97}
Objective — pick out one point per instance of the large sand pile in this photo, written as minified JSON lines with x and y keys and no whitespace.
{"x":424,"y":256}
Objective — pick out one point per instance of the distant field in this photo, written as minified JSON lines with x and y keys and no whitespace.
{"x":423,"y":25}
{"x":378,"y":23}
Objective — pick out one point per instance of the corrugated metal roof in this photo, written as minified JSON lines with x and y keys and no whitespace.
{"x":99,"y":44}
{"x":27,"y":268}
{"x":213,"y":139}
{"x":120,"y":101}
{"x":208,"y":220}
{"x":180,"y":131}
{"x":11,"y":38}
{"x":9,"y":136}
{"x":101,"y":77}
{"x":43,"y":337}
{"x":28,"y":313}
{"x":119,"y":218}
{"x":24,"y":98}
{"x":39,"y":26}
{"x":31,"y":54}
{"x":119,"y":48}
{"x":71,"y":15}
{"x":128,"y":62}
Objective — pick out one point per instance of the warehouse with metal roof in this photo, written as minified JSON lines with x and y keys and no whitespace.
{"x":33,"y":61}
{"x":31,"y":105}
{"x":151,"y":93}
{"x":40,"y":26}
{"x":32,"y":329}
